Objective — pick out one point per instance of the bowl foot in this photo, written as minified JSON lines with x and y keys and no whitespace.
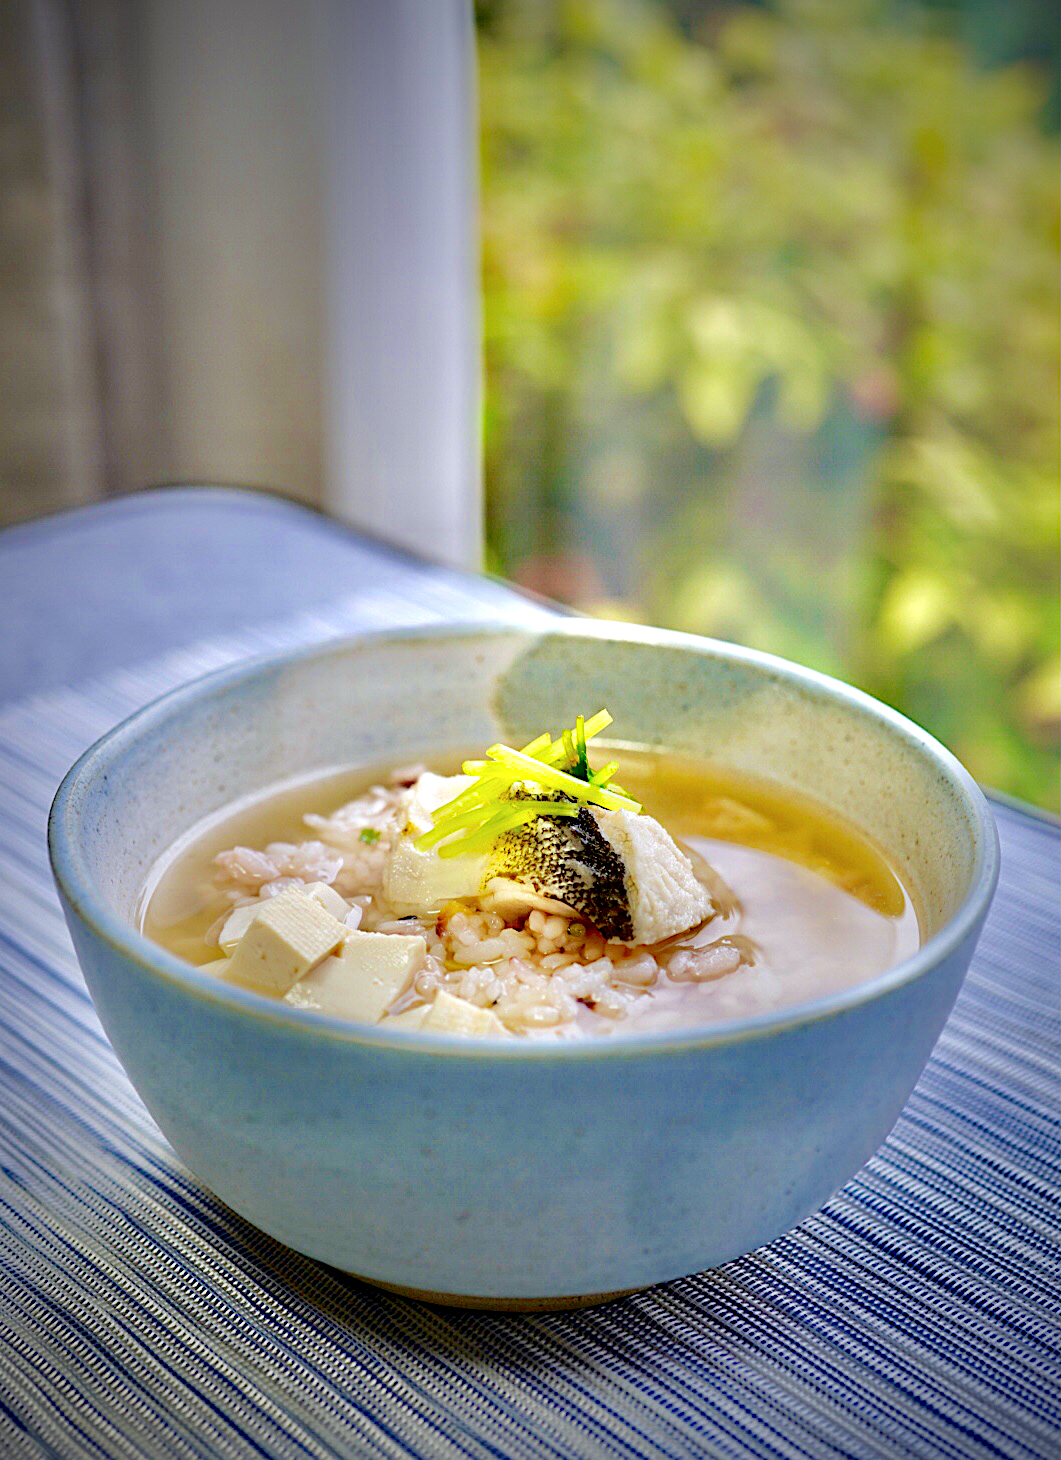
{"x":497,"y":1305}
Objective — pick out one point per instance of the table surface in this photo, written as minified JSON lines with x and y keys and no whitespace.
{"x":915,"y":1315}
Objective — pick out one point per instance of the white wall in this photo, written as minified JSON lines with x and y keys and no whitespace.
{"x":314,"y":174}
{"x":231,"y":112}
{"x":402,"y":332}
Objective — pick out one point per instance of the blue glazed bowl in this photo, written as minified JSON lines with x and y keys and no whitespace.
{"x":516,"y":1174}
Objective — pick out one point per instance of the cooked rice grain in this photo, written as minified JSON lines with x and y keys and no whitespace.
{"x":542,"y":971}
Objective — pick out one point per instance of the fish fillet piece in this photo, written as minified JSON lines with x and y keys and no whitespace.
{"x":619,"y":869}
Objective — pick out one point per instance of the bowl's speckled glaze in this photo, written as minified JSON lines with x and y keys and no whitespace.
{"x":514,"y":1173}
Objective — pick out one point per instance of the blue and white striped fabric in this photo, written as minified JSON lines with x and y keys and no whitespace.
{"x":916,"y":1315}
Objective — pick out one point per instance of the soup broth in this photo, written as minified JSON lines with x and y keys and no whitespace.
{"x":804,"y":905}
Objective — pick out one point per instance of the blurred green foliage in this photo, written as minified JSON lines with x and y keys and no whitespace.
{"x":771,"y":316}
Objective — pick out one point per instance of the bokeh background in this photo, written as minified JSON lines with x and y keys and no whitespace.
{"x":771,"y":339}
{"x":769,"y":301}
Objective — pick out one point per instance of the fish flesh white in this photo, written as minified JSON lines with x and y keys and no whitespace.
{"x":619,"y":869}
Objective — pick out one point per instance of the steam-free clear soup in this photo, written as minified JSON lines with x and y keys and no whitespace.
{"x":816,"y":902}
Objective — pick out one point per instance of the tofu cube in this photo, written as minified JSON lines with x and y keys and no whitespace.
{"x":236,"y":924}
{"x":408,"y":1019}
{"x":429,"y":794}
{"x":329,"y":899}
{"x":240,"y":918}
{"x":450,"y":1015}
{"x":290,"y":934}
{"x":363,"y":978}
{"x":414,"y":881}
{"x":217,"y":966}
{"x":418,"y":882}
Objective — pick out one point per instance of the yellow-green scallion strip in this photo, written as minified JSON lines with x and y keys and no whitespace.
{"x":485,"y":788}
{"x":533,"y":747}
{"x":481,"y":814}
{"x":596,"y":723}
{"x":557,"y":749}
{"x":519,"y":813}
{"x":527,"y":768}
{"x":603,"y":777}
{"x":466,"y":820}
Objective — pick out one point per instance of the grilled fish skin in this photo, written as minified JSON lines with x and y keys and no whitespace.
{"x":619,"y":869}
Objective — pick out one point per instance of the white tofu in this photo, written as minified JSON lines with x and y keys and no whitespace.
{"x":329,"y":899}
{"x":217,"y":966}
{"x":240,"y":918}
{"x":420,"y":882}
{"x":289,"y":935}
{"x":450,"y":1015}
{"x":363,"y":978}
{"x":237,"y":923}
{"x":408,"y":1019}
{"x":428,"y":794}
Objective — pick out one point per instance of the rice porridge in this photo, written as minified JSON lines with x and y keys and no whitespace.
{"x":509,"y":901}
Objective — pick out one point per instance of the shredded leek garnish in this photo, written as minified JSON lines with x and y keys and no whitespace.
{"x":497,"y":803}
{"x":516,"y":813}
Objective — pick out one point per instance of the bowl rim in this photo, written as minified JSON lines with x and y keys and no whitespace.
{"x":77,"y":889}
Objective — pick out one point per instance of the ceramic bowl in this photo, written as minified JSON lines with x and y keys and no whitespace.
{"x":514,"y":1173}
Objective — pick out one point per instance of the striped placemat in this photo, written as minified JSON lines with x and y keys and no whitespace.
{"x":917,"y":1315}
